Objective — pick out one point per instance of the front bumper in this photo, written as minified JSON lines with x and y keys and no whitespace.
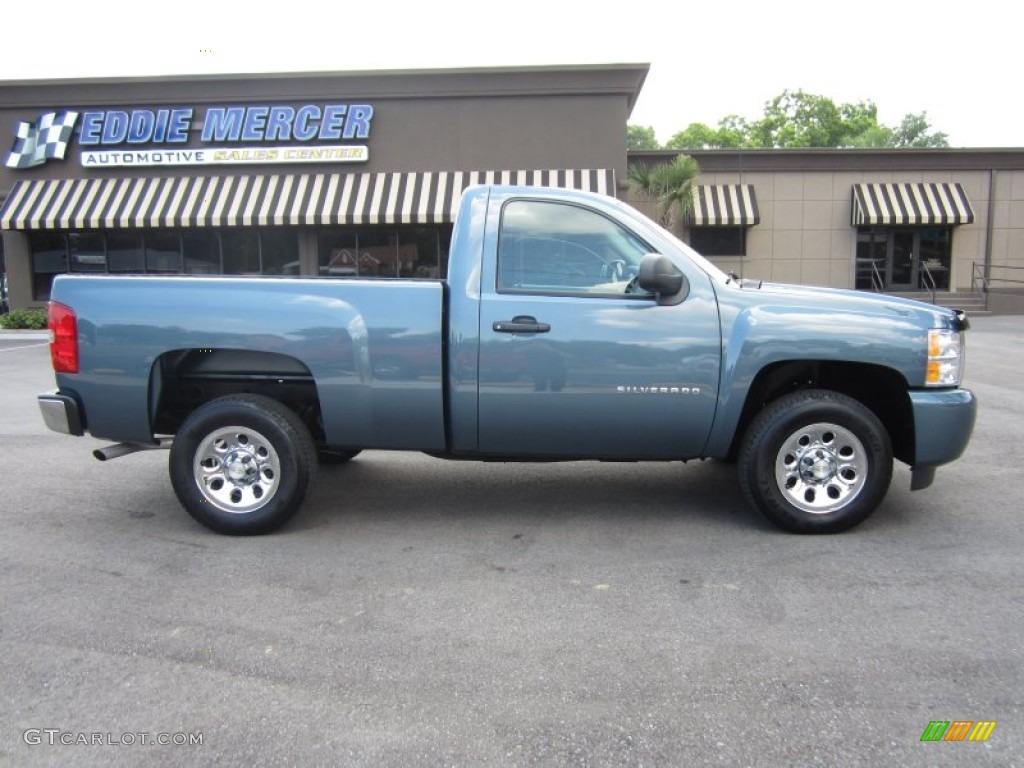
{"x":62,"y":413}
{"x":943,"y":422}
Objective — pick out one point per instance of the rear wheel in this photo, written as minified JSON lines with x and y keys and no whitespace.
{"x":816,"y":461}
{"x":241,"y":464}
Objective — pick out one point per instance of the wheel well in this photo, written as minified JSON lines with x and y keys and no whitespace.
{"x":881,"y":389}
{"x":185,"y":379}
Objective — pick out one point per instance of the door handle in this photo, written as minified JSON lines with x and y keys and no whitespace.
{"x":521,"y":324}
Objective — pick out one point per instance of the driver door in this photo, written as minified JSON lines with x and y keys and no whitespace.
{"x":575,"y":360}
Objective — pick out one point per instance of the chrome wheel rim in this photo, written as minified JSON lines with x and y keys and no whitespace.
{"x":821,"y":468}
{"x":237,"y":469}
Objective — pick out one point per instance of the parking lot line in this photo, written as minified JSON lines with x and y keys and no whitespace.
{"x":27,"y":346}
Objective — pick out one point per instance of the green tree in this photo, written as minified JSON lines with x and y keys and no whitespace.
{"x":670,"y":186}
{"x":796,"y":119}
{"x":641,"y":137}
{"x":731,"y":132}
{"x":695,"y":136}
{"x":915,"y":131}
{"x":875,"y":137}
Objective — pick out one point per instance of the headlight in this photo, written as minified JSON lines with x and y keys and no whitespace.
{"x":945,"y":358}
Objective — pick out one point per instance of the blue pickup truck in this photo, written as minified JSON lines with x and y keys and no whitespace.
{"x":569,"y":327}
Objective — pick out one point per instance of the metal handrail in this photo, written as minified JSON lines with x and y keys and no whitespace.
{"x":982,"y":274}
{"x":877,"y":283}
{"x":929,"y":279}
{"x":978,"y":275}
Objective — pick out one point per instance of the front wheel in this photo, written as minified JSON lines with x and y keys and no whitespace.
{"x":816,"y":461}
{"x":241,"y":464}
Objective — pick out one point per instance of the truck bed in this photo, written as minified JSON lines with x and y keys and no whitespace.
{"x":373,"y":348}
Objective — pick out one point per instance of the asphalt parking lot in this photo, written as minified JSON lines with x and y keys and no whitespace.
{"x":426,"y":613}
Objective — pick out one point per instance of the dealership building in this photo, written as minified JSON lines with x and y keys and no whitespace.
{"x":359,"y":174}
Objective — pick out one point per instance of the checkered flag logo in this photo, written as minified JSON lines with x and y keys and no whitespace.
{"x":46,"y":138}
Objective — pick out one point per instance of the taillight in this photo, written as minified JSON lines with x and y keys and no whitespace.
{"x":63,"y":337}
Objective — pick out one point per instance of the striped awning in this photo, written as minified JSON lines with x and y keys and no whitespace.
{"x":914,"y":204}
{"x":286,"y":200}
{"x":724,"y":205}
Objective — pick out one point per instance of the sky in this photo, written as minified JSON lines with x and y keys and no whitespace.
{"x":959,"y":62}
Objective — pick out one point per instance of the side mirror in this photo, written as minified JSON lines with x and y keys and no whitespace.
{"x":658,"y":275}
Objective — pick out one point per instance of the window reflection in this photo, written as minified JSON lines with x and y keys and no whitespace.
{"x":163,"y":252}
{"x":279,"y":252}
{"x":337,"y":253}
{"x":240,"y":251}
{"x":201,"y":251}
{"x":419,"y":250}
{"x":49,"y":258}
{"x":558,"y":248}
{"x":400,"y":251}
{"x":378,"y":253}
{"x":125,"y":253}
{"x":87,"y":252}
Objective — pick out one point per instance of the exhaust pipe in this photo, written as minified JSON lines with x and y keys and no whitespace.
{"x":123,"y":449}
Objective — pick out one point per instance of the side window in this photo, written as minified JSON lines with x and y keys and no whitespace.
{"x":547,"y":247}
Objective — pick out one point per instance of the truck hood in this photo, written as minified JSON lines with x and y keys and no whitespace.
{"x":848,"y":301}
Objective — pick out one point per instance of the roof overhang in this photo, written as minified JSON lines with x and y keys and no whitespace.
{"x":910,"y":204}
{"x":725,"y":205}
{"x":265,"y":200}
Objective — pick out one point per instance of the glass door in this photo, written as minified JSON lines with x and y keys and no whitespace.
{"x":895,"y":259}
{"x":902,"y":265}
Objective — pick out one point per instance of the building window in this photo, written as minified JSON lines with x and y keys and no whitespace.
{"x":719,"y":241}
{"x":934,"y":251}
{"x":201,"y":252}
{"x":240,"y":252}
{"x":163,"y":252}
{"x":337,"y":251}
{"x":378,"y":252}
{"x":125,"y":253}
{"x":49,"y":258}
{"x":279,"y":252}
{"x":87,"y":252}
{"x":401,"y":251}
{"x":872,"y":245}
{"x":420,"y":253}
{"x":168,"y":252}
{"x":903,"y":258}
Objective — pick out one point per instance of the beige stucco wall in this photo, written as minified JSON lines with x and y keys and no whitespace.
{"x":1008,"y":228}
{"x":805,"y":235}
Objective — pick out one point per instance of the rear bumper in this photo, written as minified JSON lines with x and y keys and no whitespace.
{"x":943,"y":422}
{"x":61,"y":413}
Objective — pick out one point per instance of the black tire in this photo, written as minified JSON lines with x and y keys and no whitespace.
{"x":259,"y":460}
{"x":331,"y":456}
{"x":815,"y":461}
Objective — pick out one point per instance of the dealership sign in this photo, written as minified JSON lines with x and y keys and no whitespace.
{"x":258,"y":134}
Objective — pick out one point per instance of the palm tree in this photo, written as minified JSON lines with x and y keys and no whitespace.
{"x":670,"y":185}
